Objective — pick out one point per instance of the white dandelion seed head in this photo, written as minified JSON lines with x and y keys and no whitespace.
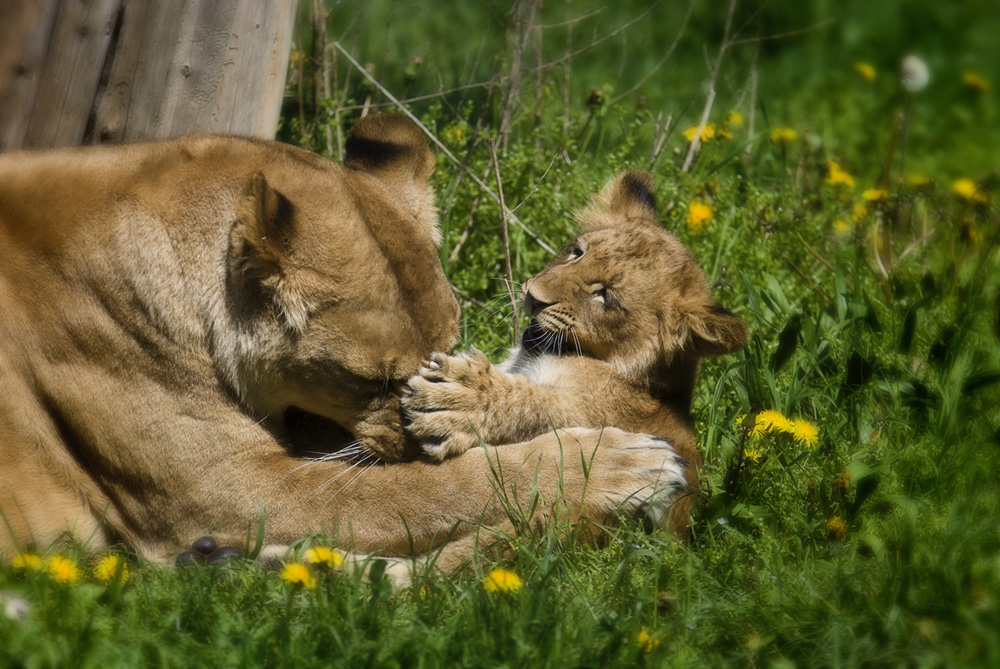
{"x":913,"y":74}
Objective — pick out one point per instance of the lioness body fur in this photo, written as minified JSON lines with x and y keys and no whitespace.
{"x":622,"y":318}
{"x":163,"y":304}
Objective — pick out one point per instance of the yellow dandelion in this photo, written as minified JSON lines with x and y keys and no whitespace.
{"x":841,"y":226}
{"x":783,"y":135}
{"x":859,"y":212}
{"x":63,"y":569}
{"x":647,"y":642}
{"x":805,"y":433}
{"x":773,"y":421}
{"x":707,"y":133}
{"x":321,"y":556}
{"x":837,"y":176}
{"x":734,"y":119}
{"x":297,"y":57}
{"x":875,"y":194}
{"x":865,"y":71}
{"x":502,"y":580}
{"x":837,"y":528}
{"x":723,"y":134}
{"x":108,"y":567}
{"x":967,"y":189}
{"x":975,"y":82}
{"x":296,"y":574}
{"x":26,"y":562}
{"x":699,"y":215}
{"x":918,"y":180}
{"x":753,"y":455}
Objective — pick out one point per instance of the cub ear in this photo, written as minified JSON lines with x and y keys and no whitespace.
{"x":256,"y":246}
{"x":391,"y":148}
{"x":627,"y":198}
{"x":715,"y":331}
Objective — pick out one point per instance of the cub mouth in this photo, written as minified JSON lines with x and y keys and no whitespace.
{"x":536,"y":339}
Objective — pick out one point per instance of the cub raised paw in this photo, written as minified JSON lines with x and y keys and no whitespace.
{"x":446,"y":403}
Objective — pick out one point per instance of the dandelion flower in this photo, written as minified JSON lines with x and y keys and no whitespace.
{"x":837,"y":528}
{"x":324,"y":557}
{"x":865,"y":71}
{"x":967,"y":189}
{"x":752,"y":454}
{"x":296,"y":574}
{"x":108,"y":567}
{"x":859,"y":212}
{"x":913,"y":74}
{"x":26,"y":562}
{"x":699,"y":215}
{"x":918,"y":180}
{"x":734,"y":119}
{"x":783,"y":135}
{"x":841,"y":226}
{"x":773,"y":421}
{"x":836,"y":176}
{"x":805,"y":433}
{"x":875,"y":194}
{"x":647,"y":642}
{"x":502,"y":580}
{"x":707,"y":133}
{"x":975,"y":82}
{"x":63,"y":569}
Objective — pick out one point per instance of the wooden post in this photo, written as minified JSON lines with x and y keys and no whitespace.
{"x":112,"y":71}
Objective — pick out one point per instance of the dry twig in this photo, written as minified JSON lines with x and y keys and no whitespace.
{"x":506,"y":241}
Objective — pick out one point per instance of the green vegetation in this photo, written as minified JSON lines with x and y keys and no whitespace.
{"x":862,"y":249}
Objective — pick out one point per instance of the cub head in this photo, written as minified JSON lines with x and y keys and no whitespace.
{"x":628,"y":292}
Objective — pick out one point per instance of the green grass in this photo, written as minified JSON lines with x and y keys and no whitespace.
{"x":900,"y":374}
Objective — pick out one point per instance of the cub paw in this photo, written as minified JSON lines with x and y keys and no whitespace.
{"x":445,"y":403}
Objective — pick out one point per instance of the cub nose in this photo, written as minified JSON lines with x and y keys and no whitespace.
{"x":533,"y":305}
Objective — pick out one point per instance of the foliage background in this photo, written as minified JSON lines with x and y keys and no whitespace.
{"x":879,"y":546}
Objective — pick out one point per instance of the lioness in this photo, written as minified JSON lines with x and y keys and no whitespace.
{"x":163,"y":305}
{"x":621,"y":319}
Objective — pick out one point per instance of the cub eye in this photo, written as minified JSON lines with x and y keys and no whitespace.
{"x":575,"y":251}
{"x":600,"y":293}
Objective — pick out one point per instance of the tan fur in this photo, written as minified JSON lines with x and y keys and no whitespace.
{"x":161,"y":307}
{"x":623,"y":316}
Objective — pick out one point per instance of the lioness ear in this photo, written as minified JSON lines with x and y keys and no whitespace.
{"x":715,"y":331}
{"x":255,"y":239}
{"x":391,"y":148}
{"x":625,"y":199}
{"x":256,"y":245}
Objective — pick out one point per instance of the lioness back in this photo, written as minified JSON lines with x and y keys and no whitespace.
{"x":168,"y":302}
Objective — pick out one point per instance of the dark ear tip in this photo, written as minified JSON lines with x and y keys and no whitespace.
{"x":637,"y":185}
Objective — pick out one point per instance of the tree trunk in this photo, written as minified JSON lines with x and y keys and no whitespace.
{"x":113,"y":71}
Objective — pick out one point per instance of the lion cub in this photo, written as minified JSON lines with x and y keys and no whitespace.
{"x":621,"y":318}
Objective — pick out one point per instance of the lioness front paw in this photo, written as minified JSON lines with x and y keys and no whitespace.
{"x":635,"y":472}
{"x":445,"y":403}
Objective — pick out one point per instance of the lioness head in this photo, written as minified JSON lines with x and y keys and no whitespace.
{"x":628,"y":292}
{"x":334,"y":289}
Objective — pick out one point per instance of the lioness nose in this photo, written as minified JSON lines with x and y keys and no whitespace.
{"x":533,"y":305}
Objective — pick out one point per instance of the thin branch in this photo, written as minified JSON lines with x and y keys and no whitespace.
{"x":662,"y":61}
{"x":506,"y":241}
{"x":750,"y":40}
{"x":444,"y":149}
{"x":696,"y":140}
